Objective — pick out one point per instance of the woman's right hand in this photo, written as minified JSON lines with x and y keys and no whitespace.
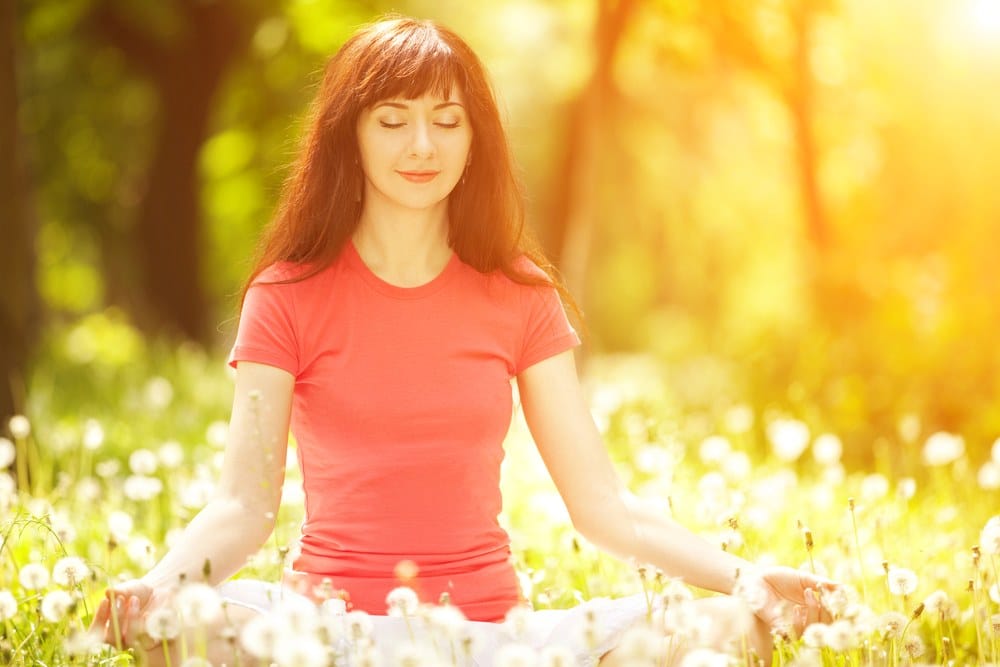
{"x":120,"y":616}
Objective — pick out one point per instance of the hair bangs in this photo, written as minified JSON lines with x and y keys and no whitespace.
{"x":411,"y":64}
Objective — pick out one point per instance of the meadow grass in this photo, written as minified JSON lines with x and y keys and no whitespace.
{"x":124,"y":449}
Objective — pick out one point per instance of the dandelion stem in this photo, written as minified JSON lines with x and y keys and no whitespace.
{"x":857,"y":548}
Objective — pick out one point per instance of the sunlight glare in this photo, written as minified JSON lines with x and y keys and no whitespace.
{"x":983,"y":17}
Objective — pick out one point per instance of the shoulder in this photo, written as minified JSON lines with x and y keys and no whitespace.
{"x":280,"y":272}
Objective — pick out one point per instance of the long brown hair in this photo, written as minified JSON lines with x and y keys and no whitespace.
{"x":320,"y":204}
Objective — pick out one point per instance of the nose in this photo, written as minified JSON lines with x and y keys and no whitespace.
{"x":421,"y":144}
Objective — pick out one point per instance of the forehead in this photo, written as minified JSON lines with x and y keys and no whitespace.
{"x":430,"y":99}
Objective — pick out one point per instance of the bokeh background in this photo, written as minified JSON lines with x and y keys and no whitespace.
{"x":788,"y":205}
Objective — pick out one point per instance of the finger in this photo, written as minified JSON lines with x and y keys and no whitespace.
{"x":101,"y":615}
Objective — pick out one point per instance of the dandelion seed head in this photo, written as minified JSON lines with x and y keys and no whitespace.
{"x":334,"y":606}
{"x":301,"y":615}
{"x":942,"y":448}
{"x":33,"y":577}
{"x":704,"y":657}
{"x":675,"y":592}
{"x":217,"y":433}
{"x":841,"y":636}
{"x":55,"y":604}
{"x":750,"y":588}
{"x":170,"y":454}
{"x":788,"y":438}
{"x":69,"y":571}
{"x":640,"y":643}
{"x":874,"y":487}
{"x":19,"y":427}
{"x":995,"y":593}
{"x":827,"y":449}
{"x":914,"y":646}
{"x":902,"y":581}
{"x":942,"y":606}
{"x":120,"y":525}
{"x":107,"y":468}
{"x":736,"y":466}
{"x":141,"y":488}
{"x":198,"y":604}
{"x":891,"y":624}
{"x":988,"y":476}
{"x":815,"y":635}
{"x":402,"y":601}
{"x":81,"y":643}
{"x":516,"y":620}
{"x":359,"y":624}
{"x":989,"y":537}
{"x":260,"y":634}
{"x":714,"y":449}
{"x":449,"y":619}
{"x":7,"y":453}
{"x":557,"y":656}
{"x":142,"y":462}
{"x":162,"y":624}
{"x":93,"y":435}
{"x":906,"y":488}
{"x":516,"y":655}
{"x":302,"y":652}
{"x":8,"y":605}
{"x":159,"y":393}
{"x":739,"y":419}
{"x":140,"y":550}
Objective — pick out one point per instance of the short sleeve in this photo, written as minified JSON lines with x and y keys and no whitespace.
{"x":547,"y":330}
{"x":266,"y":333}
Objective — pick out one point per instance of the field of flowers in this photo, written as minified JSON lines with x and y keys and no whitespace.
{"x":124,"y":443}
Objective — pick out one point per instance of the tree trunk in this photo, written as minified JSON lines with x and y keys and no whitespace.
{"x":18,"y":298}
{"x":576,"y":202}
{"x":167,"y":235}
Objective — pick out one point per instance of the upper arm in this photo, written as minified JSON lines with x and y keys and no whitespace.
{"x":253,"y":468}
{"x":567,"y":438}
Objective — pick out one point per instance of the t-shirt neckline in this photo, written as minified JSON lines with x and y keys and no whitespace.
{"x":396,"y":291}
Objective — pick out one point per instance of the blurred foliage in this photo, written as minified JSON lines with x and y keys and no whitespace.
{"x":701,"y":256}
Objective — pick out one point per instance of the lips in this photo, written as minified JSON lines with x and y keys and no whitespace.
{"x":418,"y":176}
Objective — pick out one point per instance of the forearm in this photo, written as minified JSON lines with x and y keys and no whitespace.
{"x":223,"y":535}
{"x":629,"y":529}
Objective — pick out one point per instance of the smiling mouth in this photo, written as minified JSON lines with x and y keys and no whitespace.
{"x":418,"y":176}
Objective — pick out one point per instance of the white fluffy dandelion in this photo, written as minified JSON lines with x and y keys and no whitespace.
{"x":705,"y":657}
{"x":402,"y":601}
{"x":902,"y":581}
{"x":827,"y":449}
{"x":359,"y":625}
{"x":93,"y":435}
{"x":141,"y":488}
{"x":448,"y":619}
{"x":556,"y":656}
{"x":7,"y":453}
{"x":891,"y":624}
{"x":170,"y":454}
{"x":162,"y":624}
{"x":33,"y":577}
{"x":988,"y":476}
{"x":142,"y":462}
{"x":19,"y":427}
{"x":198,"y":604}
{"x":516,"y":620}
{"x":841,"y":636}
{"x":260,"y":635}
{"x":640,"y":644}
{"x":714,"y":449}
{"x":69,"y":571}
{"x":788,"y":437}
{"x":516,"y":655}
{"x":120,"y":525}
{"x":942,"y":606}
{"x":989,"y":538}
{"x":55,"y":604}
{"x":815,"y":635}
{"x":301,"y":652}
{"x":942,"y":448}
{"x":914,"y":646}
{"x":8,"y":605}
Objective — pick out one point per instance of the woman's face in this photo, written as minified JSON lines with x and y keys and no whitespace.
{"x":413,"y":152}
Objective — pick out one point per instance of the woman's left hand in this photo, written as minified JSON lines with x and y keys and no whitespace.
{"x":788,"y":600}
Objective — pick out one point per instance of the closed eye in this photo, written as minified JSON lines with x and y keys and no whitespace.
{"x":391,"y":126}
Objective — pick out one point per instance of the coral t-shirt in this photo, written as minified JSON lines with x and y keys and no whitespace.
{"x":402,"y":400}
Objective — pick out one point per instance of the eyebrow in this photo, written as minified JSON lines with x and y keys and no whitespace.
{"x":400,"y":105}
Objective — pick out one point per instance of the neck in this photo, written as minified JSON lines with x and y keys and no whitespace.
{"x":403,"y":246}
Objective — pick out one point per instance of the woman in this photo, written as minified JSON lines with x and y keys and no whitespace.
{"x":395,"y":297}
